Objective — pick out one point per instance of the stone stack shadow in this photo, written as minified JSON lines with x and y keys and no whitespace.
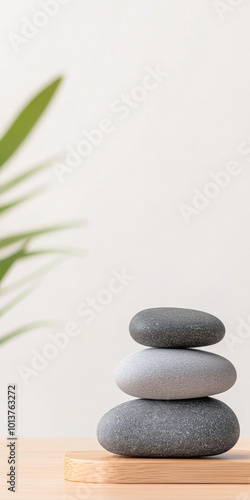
{"x":174,"y":415}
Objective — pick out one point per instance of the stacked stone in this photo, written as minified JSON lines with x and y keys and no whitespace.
{"x":174,"y":415}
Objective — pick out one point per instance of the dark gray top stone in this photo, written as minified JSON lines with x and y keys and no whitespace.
{"x":185,"y":428}
{"x":175,"y":327}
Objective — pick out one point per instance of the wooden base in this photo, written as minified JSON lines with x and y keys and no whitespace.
{"x":103,"y":467}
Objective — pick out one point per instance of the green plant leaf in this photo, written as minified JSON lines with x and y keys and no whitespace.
{"x":18,"y":298}
{"x":7,"y":262}
{"x":28,"y":328}
{"x":10,"y":240}
{"x":25,"y":121}
{"x":9,"y":143}
{"x":41,"y":271}
{"x":64,"y":251}
{"x":25,"y":175}
{"x":22,"y":199}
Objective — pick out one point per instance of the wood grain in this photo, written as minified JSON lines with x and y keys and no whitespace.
{"x":104,"y":467}
{"x":40,"y":477}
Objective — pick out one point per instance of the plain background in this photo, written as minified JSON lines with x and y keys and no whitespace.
{"x":129,"y":191}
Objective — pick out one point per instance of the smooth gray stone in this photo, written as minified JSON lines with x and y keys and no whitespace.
{"x":187,"y":428}
{"x":175,"y":327}
{"x":174,"y":374}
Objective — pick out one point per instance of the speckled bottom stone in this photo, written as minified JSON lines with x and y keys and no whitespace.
{"x":185,"y":428}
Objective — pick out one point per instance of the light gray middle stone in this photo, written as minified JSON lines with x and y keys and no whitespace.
{"x":174,"y":374}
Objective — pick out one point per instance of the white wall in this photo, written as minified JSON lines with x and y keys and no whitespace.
{"x":129,"y":190}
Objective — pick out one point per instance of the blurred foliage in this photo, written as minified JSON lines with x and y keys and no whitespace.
{"x":16,"y":247}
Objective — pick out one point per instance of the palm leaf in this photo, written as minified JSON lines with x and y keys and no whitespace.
{"x":31,"y":277}
{"x":25,"y":121}
{"x":10,"y":240}
{"x":64,"y":251}
{"x":22,"y":199}
{"x":25,"y":175}
{"x":27,"y":328}
{"x":7,"y":262}
{"x":18,"y":299}
{"x":9,"y":143}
